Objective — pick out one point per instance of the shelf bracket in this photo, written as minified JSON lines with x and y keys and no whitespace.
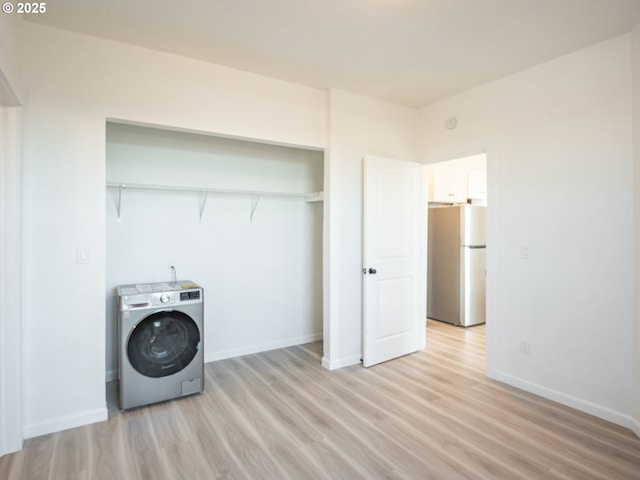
{"x":255,"y":199}
{"x":204,"y":202}
{"x":314,"y":197}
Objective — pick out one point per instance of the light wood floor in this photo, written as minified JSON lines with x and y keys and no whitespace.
{"x":280,"y":415}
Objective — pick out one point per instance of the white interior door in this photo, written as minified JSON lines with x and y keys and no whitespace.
{"x":394,"y":268}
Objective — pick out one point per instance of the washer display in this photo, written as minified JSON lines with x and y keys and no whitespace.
{"x":160,"y":342}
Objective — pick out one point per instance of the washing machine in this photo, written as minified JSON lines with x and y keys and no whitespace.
{"x":161,"y":336}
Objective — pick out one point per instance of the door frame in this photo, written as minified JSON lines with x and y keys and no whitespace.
{"x":481,"y":145}
{"x":11,"y":396}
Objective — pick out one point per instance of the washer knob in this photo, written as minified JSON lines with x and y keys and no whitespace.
{"x":164,"y":298}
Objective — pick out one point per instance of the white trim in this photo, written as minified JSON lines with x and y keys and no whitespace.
{"x":635,"y":426}
{"x":11,"y":428}
{"x":491,"y":341}
{"x":341,"y":362}
{"x":569,"y":400}
{"x":66,"y":422}
{"x":262,"y":347}
{"x":330,"y":251}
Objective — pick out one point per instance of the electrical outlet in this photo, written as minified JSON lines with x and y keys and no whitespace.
{"x":525,"y":346}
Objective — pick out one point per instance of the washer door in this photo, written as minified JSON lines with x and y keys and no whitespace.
{"x":163,"y":343}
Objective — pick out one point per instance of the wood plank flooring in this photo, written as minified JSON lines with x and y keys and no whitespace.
{"x":280,"y":415}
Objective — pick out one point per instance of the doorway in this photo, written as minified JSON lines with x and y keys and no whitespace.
{"x":458,"y":292}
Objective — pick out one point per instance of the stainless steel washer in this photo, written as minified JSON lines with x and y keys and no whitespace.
{"x":161,"y":333}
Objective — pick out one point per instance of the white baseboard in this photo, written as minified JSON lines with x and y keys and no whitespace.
{"x":635,"y":426}
{"x":66,"y":422}
{"x":263,"y":347}
{"x":333,"y":364}
{"x":596,"y":410}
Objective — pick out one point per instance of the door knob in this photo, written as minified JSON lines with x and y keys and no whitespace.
{"x":373,"y":271}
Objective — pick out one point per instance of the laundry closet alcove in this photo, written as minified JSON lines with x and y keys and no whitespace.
{"x":241,"y":218}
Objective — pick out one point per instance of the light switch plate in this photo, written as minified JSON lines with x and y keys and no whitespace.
{"x":82,"y":255}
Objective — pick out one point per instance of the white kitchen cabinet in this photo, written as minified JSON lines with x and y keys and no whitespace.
{"x":477,"y":184}
{"x":447,"y":185}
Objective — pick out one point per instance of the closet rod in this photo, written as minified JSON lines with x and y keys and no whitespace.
{"x":209,"y":190}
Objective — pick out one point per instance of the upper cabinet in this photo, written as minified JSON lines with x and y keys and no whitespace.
{"x":447,"y":185}
{"x":477,"y":184}
{"x":459,"y":180}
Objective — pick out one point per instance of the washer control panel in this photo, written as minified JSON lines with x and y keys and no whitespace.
{"x":146,"y":297}
{"x":190,"y":295}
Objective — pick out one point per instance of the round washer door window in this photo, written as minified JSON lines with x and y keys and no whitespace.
{"x":163,"y":343}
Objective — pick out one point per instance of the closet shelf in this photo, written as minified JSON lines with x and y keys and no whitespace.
{"x":255,"y":194}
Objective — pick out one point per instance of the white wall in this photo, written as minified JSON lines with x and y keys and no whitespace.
{"x":560,"y":148}
{"x":73,"y":84}
{"x":262,"y":277}
{"x":358,"y":126}
{"x":635,"y":37}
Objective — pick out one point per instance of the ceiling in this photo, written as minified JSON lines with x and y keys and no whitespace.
{"x":409,"y":52}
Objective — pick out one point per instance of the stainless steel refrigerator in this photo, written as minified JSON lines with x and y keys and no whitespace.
{"x":457,"y":264}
